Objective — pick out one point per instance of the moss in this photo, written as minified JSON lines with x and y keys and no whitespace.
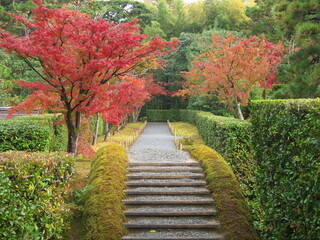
{"x":103,"y":211}
{"x":233,"y":213}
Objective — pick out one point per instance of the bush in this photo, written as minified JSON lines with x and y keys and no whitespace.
{"x":103,"y":211}
{"x":33,"y":133}
{"x":155,"y":115}
{"x":232,"y":139}
{"x":286,"y":134}
{"x":31,"y":190}
{"x":233,"y":213}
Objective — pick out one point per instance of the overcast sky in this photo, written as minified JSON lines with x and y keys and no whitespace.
{"x":190,"y":1}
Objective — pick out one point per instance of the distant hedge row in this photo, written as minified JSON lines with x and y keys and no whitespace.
{"x":286,"y":137}
{"x":103,"y":210}
{"x":155,"y":115}
{"x":33,"y":133}
{"x":31,"y":194}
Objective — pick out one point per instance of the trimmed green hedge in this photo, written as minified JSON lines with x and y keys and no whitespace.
{"x":233,"y":213}
{"x":286,"y":136}
{"x":232,"y":139}
{"x":103,"y":210}
{"x":33,"y":133}
{"x":155,"y":115}
{"x":31,"y":190}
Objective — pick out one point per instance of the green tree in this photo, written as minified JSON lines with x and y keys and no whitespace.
{"x":119,"y":11}
{"x":164,"y":17}
{"x":154,"y":29}
{"x":195,"y":17}
{"x":262,"y":21}
{"x":299,"y":21}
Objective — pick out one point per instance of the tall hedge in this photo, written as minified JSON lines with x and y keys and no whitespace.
{"x":158,"y":115}
{"x":33,"y":133}
{"x":286,"y":137}
{"x":32,"y":186}
{"x":103,"y":211}
{"x":232,"y":139}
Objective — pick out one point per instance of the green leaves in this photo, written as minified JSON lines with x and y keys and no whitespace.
{"x":32,"y":133}
{"x":287,"y":154}
{"x":30,"y":194}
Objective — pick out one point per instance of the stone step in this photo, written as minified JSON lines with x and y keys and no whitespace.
{"x":173,"y":235}
{"x":165,"y":169}
{"x":167,"y":191}
{"x":173,"y":223}
{"x":171,"y":211}
{"x":166,"y":183}
{"x":167,"y":199}
{"x":166,"y":164}
{"x":171,"y":175}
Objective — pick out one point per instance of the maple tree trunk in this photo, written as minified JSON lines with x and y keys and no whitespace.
{"x":106,"y":133}
{"x":96,"y":129}
{"x":73,"y":131}
{"x":239,"y":111}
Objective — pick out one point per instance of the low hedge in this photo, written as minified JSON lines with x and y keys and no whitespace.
{"x":32,"y":186}
{"x":103,"y":210}
{"x":286,"y":134}
{"x":155,"y":115}
{"x":232,"y":139}
{"x":33,"y":133}
{"x":233,"y":213}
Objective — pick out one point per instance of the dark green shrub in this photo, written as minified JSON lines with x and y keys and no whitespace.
{"x":31,"y":194}
{"x":286,"y":137}
{"x":233,"y":213}
{"x":232,"y":139}
{"x":103,"y":210}
{"x":30,"y":136}
{"x":155,"y":115}
{"x":33,"y":133}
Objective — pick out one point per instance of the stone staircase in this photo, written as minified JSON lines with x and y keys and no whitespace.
{"x":169,"y":201}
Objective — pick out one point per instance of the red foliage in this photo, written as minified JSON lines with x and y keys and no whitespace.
{"x":233,"y":66}
{"x":85,"y":63}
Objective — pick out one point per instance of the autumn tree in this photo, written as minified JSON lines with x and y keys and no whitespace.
{"x":83,"y":62}
{"x":231,"y":67}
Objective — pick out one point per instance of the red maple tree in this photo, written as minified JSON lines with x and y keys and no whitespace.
{"x":231,"y":68}
{"x":83,"y":63}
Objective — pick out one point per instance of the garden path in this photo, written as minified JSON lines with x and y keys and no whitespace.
{"x":167,"y":194}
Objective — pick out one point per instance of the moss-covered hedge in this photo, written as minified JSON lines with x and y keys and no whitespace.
{"x":232,"y":139}
{"x":32,"y":186}
{"x":103,"y":211}
{"x":286,"y":136}
{"x":155,"y":115}
{"x":233,"y":213}
{"x":33,"y":133}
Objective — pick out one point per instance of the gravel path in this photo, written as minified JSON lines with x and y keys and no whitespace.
{"x":156,"y":144}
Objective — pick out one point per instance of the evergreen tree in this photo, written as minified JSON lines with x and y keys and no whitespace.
{"x":299,"y":22}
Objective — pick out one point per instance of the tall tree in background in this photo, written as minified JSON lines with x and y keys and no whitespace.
{"x":262,"y":20}
{"x":83,"y":62}
{"x":232,"y":67}
{"x":165,"y":18}
{"x":299,"y":21}
{"x":120,"y":11}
